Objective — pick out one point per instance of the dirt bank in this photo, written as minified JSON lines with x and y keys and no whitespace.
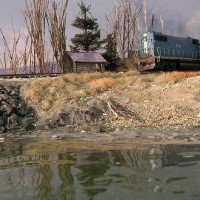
{"x":97,"y":103}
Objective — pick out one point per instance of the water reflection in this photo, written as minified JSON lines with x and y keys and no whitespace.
{"x":77,"y":173}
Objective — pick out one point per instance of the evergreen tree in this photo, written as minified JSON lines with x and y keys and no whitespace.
{"x":89,"y":39}
{"x":111,"y":54}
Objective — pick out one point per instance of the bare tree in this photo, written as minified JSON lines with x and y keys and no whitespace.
{"x":44,"y":41}
{"x":11,"y":57}
{"x":35,"y":19}
{"x":145,"y":15}
{"x":56,"y":20}
{"x":46,"y":18}
{"x":26,"y":55}
{"x":125,"y":20}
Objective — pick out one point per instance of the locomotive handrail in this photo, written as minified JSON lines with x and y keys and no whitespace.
{"x":158,"y":48}
{"x":168,"y":53}
{"x":177,"y":53}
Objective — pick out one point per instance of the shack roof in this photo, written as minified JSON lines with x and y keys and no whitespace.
{"x":89,"y":57}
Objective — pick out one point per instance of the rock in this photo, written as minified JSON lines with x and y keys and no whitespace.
{"x":30,"y":111}
{"x":3,"y":97}
{"x":95,"y":112}
{"x":99,"y":105}
{"x":77,"y":117}
{"x":2,"y":123}
{"x":14,"y":113}
{"x":52,"y":123}
{"x":13,"y":121}
{"x":56,"y":137}
{"x":93,"y":128}
{"x":29,"y":126}
{"x":64,"y":119}
{"x":3,"y":129}
{"x":79,"y":114}
{"x":13,"y":92}
{"x":88,"y":118}
{"x":7,"y":109}
{"x":20,"y":112}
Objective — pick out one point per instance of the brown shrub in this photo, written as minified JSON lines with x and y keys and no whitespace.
{"x":37,"y":86}
{"x":126,"y":81}
{"x":58,"y":83}
{"x":174,"y":77}
{"x":100,"y":85}
{"x":132,"y":73}
{"x":71,"y":78}
{"x":78,"y":94}
{"x":86,"y":77}
{"x":46,"y":105}
{"x":183,"y":75}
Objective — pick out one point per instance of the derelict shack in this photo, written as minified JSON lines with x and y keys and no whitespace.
{"x":85,"y":62}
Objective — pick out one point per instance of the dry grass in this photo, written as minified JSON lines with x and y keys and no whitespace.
{"x":46,"y":104}
{"x":126,"y":81}
{"x":101,"y":85}
{"x":79,"y":85}
{"x":183,"y":75}
{"x":48,"y":91}
{"x":70,"y":78}
{"x":37,"y":87}
{"x":174,"y":77}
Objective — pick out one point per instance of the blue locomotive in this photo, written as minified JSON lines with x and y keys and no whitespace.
{"x":162,"y":51}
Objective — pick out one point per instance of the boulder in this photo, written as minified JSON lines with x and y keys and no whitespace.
{"x":29,"y":126}
{"x":64,"y":119}
{"x":14,"y":113}
{"x":8,"y":109}
{"x":13,"y":121}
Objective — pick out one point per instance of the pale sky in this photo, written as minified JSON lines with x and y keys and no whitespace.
{"x":181,"y":17}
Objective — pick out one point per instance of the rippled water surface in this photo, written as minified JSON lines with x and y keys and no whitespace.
{"x":85,"y":170}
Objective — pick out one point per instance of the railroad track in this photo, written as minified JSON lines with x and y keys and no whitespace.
{"x":10,"y":76}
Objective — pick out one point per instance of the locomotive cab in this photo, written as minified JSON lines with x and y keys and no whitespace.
{"x":147,"y":44}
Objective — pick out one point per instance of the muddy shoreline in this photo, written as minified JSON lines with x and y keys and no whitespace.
{"x":134,"y":136}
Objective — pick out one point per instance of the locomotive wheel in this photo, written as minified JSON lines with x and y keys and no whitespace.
{"x":173,"y":66}
{"x":168,"y":66}
{"x":162,"y":65}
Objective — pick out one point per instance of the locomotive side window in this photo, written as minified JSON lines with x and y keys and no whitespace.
{"x":161,"y":38}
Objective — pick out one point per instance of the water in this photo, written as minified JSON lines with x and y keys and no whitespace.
{"x":91,"y":171}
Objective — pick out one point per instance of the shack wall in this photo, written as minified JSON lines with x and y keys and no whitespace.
{"x":90,"y":67}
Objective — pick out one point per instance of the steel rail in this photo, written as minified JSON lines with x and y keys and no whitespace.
{"x":11,"y":76}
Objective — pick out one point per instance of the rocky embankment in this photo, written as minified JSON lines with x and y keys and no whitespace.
{"x":15,"y":115}
{"x":148,"y":102}
{"x":91,"y":115}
